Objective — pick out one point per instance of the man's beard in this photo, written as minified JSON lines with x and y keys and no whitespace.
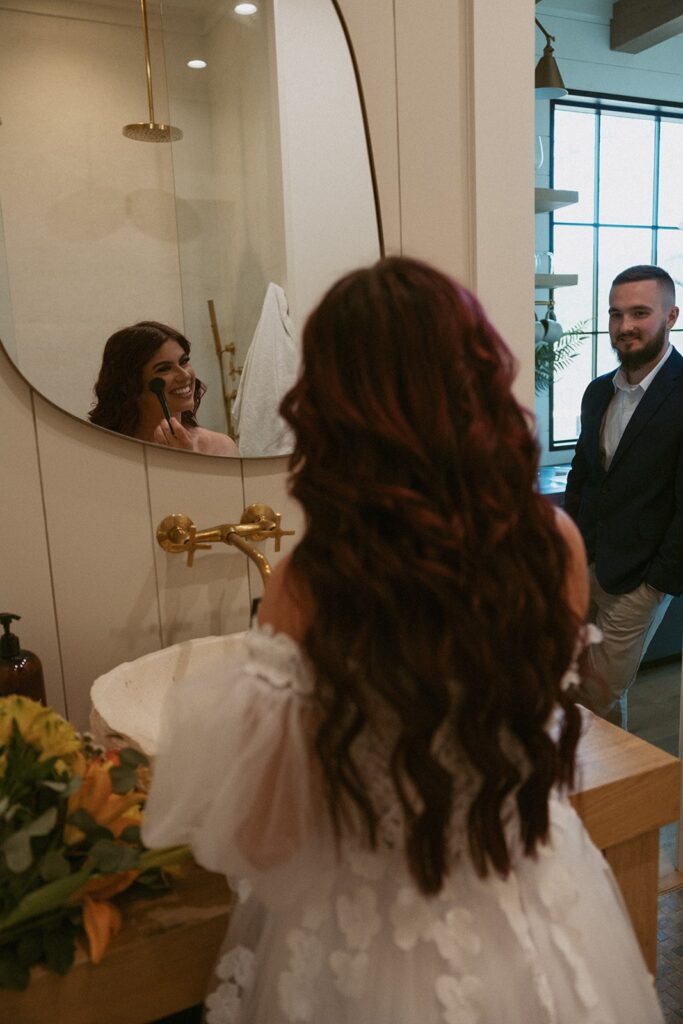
{"x":634,"y":360}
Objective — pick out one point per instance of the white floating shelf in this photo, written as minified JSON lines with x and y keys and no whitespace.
{"x":549,"y":199}
{"x":555,"y":280}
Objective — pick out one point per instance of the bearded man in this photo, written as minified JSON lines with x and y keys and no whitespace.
{"x":625,"y":486}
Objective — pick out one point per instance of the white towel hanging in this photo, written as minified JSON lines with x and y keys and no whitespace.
{"x":270,"y":369}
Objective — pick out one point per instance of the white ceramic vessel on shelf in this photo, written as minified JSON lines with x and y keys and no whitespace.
{"x":127,"y":701}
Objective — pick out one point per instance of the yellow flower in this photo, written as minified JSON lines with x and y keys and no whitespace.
{"x":40,"y":726}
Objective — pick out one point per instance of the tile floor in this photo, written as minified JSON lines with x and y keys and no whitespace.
{"x":653,"y":715}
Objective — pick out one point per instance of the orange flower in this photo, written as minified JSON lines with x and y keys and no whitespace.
{"x":96,"y":796}
{"x":106,"y":886}
{"x":101,"y":921}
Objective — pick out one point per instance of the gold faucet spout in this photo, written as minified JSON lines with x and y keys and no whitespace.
{"x":178,"y":534}
{"x":259,"y":559}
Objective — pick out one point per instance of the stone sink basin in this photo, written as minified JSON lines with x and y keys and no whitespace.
{"x":127,"y":701}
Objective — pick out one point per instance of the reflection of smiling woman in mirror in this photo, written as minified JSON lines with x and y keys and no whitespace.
{"x":132,"y":358}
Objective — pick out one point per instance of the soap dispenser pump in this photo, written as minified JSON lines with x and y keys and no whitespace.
{"x":20,"y":671}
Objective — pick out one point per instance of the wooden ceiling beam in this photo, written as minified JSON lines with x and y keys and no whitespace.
{"x":638,"y":24}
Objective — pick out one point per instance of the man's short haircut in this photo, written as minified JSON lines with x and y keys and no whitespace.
{"x":645,"y":272}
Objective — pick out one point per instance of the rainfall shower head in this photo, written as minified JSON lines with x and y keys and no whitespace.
{"x":150,"y":131}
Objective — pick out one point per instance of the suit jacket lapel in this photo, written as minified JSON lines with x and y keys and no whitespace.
{"x":660,"y":387}
{"x":602,"y":400}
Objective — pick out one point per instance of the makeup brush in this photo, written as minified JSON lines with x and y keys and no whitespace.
{"x":157,"y":386}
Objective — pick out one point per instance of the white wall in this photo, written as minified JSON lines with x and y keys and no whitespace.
{"x":89,"y":216}
{"x":228,"y":178}
{"x":79,"y":506}
{"x":326,"y":174}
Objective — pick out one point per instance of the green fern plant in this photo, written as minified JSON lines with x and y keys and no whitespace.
{"x":554,"y":356}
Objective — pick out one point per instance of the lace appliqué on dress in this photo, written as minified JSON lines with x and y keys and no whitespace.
{"x":587,"y":635}
{"x":296,"y":986}
{"x":236,"y":970}
{"x":560,"y":895}
{"x":412,"y":919}
{"x":458,"y":997}
{"x":277,"y":660}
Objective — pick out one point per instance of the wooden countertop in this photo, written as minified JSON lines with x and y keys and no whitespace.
{"x":162,"y":960}
{"x":624,"y":786}
{"x":158,"y":964}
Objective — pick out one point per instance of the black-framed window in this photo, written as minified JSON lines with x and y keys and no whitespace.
{"x":624,"y":157}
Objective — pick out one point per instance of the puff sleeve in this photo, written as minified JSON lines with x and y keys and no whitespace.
{"x":236,"y":777}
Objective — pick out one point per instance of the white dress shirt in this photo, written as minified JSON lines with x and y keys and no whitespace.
{"x":621,"y":408}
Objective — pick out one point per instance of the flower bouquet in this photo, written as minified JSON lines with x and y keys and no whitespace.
{"x":70,"y":819}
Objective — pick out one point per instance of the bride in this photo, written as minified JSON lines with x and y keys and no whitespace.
{"x":383,"y":773}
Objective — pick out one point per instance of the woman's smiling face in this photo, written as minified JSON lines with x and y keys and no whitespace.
{"x":171,"y":364}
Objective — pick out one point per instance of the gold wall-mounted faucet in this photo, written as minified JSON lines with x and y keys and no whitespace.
{"x":178,"y":535}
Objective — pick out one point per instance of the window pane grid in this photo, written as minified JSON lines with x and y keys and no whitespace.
{"x":616,"y":242}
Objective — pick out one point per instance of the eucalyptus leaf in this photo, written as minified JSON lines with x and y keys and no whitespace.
{"x":17,"y":851}
{"x":131,"y":834}
{"x":132,"y":758}
{"x":44,"y":824}
{"x":123,"y":779}
{"x":66,"y":788}
{"x":54,"y":865}
{"x":83,"y":820}
{"x":110,"y":857}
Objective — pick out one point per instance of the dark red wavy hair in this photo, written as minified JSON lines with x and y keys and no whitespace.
{"x":119,"y":383}
{"x":435,"y":568}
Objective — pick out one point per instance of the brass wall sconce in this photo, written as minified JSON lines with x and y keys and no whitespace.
{"x":177,"y":534}
{"x":548,"y":80}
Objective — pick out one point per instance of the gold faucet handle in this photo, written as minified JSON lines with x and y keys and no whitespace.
{"x":278,"y":532}
{"x":262,"y":523}
{"x":193,"y":546}
{"x":177,"y":533}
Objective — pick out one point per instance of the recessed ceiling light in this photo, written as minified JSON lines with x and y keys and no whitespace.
{"x":246,"y":8}
{"x":196,"y":63}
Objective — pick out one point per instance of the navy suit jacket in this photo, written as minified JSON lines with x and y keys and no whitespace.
{"x":631,"y":515}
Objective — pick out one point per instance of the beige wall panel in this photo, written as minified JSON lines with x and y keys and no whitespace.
{"x":372,"y":37}
{"x":433,"y":59}
{"x":265,"y":481}
{"x":117,"y":595}
{"x":25,"y":582}
{"x":101,"y":550}
{"x":504,"y":175}
{"x":211,"y":597}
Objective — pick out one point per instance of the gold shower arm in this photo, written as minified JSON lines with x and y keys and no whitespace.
{"x":177,"y":534}
{"x":148,"y":62}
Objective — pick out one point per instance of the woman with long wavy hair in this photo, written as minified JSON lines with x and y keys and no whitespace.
{"x":132,"y":357}
{"x":387,"y":763}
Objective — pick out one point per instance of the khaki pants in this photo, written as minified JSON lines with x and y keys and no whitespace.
{"x":628,"y":623}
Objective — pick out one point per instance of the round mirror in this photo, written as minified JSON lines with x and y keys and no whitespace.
{"x":227,"y":225}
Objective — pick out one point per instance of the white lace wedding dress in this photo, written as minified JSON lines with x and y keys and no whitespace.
{"x":350,"y":940}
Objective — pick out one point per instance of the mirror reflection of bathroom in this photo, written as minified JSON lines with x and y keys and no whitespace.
{"x":227,"y":233}
{"x":613,"y":147}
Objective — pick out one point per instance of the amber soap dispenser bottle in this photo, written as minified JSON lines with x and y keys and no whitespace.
{"x":20,"y":671}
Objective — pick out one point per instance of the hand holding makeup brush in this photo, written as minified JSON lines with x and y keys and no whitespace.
{"x":173,"y":434}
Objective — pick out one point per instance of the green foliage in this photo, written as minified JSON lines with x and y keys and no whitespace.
{"x":42,"y":876}
{"x":554,"y":356}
